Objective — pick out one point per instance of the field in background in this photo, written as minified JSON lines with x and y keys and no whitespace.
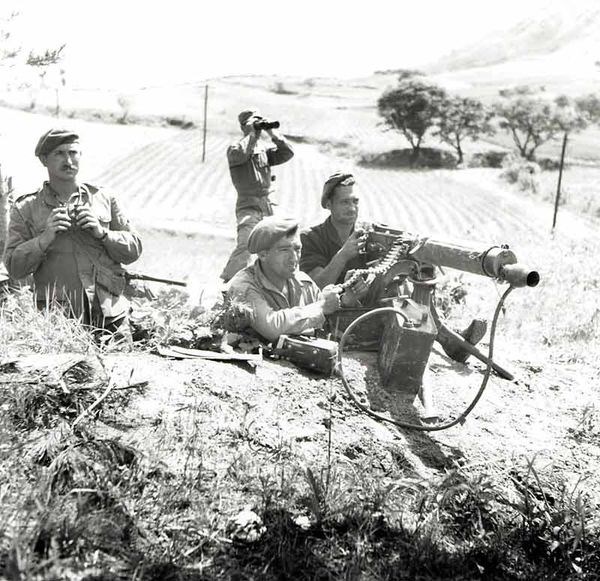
{"x":186,"y":207}
{"x":332,"y":112}
{"x":159,"y":174}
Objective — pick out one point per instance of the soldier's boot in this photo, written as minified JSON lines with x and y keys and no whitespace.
{"x":473,"y":334}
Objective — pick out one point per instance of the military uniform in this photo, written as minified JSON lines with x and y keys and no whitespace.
{"x":80,"y":272}
{"x":250,"y":165}
{"x":296,"y":307}
{"x":320,"y":244}
{"x":296,"y":310}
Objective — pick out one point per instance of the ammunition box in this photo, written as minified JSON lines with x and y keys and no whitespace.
{"x":405,"y":347}
{"x":319,"y":355}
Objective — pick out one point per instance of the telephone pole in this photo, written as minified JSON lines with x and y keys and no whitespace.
{"x":204,"y":125}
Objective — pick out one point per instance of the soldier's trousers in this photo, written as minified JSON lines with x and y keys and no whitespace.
{"x":246,"y":219}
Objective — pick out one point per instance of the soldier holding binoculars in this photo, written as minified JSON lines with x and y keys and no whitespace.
{"x":250,"y":163}
{"x":73,"y":237}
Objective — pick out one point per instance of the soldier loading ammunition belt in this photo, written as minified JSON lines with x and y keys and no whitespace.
{"x":399,"y":249}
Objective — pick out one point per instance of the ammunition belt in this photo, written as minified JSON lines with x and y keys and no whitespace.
{"x":398,"y":250}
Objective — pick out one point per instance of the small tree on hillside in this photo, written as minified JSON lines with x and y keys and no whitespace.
{"x":412,"y":108}
{"x":461,"y":118}
{"x":42,"y":63}
{"x":589,"y":106}
{"x":530,"y":121}
{"x":570,"y":117}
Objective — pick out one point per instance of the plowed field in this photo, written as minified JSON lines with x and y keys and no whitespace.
{"x":165,"y":181}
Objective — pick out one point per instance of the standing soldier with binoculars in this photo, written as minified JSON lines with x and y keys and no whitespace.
{"x":73,"y":238}
{"x":250,"y":167}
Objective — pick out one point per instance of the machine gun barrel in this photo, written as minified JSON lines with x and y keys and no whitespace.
{"x":495,"y":261}
{"x":519,"y":275}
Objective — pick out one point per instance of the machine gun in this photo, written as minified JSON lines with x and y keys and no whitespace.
{"x":405,"y":268}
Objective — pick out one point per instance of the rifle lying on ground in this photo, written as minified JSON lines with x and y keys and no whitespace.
{"x":138,"y":276}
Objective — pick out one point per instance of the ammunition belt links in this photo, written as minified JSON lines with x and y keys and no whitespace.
{"x":399,"y":249}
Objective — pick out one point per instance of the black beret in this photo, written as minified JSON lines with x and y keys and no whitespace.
{"x":332,"y":182}
{"x":268,"y":231}
{"x":245,"y":115}
{"x":54,"y":138}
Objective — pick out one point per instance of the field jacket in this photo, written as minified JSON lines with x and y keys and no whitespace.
{"x":75,"y":264}
{"x":320,"y":244}
{"x":273,"y":313}
{"x":250,"y":165}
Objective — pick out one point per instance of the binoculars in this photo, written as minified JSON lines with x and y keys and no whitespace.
{"x":265,"y":124}
{"x":73,"y":213}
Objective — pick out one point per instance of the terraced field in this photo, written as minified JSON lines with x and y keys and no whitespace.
{"x":166,"y":184}
{"x":163,"y":183}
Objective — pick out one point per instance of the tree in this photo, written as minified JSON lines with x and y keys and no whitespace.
{"x":589,"y":106}
{"x":42,"y":62}
{"x":412,"y":108}
{"x":570,"y":117}
{"x":533,"y":121}
{"x":461,"y":118}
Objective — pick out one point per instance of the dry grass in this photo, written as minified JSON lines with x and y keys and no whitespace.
{"x":579,"y":190}
{"x":26,"y":330}
{"x":215,"y":501}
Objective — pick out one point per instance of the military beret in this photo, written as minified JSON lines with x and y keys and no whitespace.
{"x":332,"y":182}
{"x":245,"y":115}
{"x":54,"y":138}
{"x":268,"y":231}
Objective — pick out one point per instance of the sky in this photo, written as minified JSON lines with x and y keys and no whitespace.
{"x":130,"y":44}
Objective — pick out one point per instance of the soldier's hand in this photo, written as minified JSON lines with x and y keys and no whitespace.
{"x":354,"y":244}
{"x":58,"y":221}
{"x":360,"y":288}
{"x":331,"y":299}
{"x":86,"y":220}
{"x":250,"y":126}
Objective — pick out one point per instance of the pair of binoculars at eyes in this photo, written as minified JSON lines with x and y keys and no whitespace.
{"x":265,"y":124}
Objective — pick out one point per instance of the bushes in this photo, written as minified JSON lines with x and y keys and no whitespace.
{"x":525,"y":174}
{"x":427,"y":157}
{"x":490,"y":158}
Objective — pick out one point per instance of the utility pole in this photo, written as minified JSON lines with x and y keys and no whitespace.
{"x":204,"y":125}
{"x":560,"y":172}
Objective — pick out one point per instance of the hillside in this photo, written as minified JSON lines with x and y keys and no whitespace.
{"x":207,"y":470}
{"x":555,"y":32}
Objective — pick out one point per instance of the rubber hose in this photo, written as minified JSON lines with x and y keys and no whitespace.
{"x":406,"y":425}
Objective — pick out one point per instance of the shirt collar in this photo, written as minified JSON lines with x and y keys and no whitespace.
{"x":50,"y":198}
{"x":296,"y":280}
